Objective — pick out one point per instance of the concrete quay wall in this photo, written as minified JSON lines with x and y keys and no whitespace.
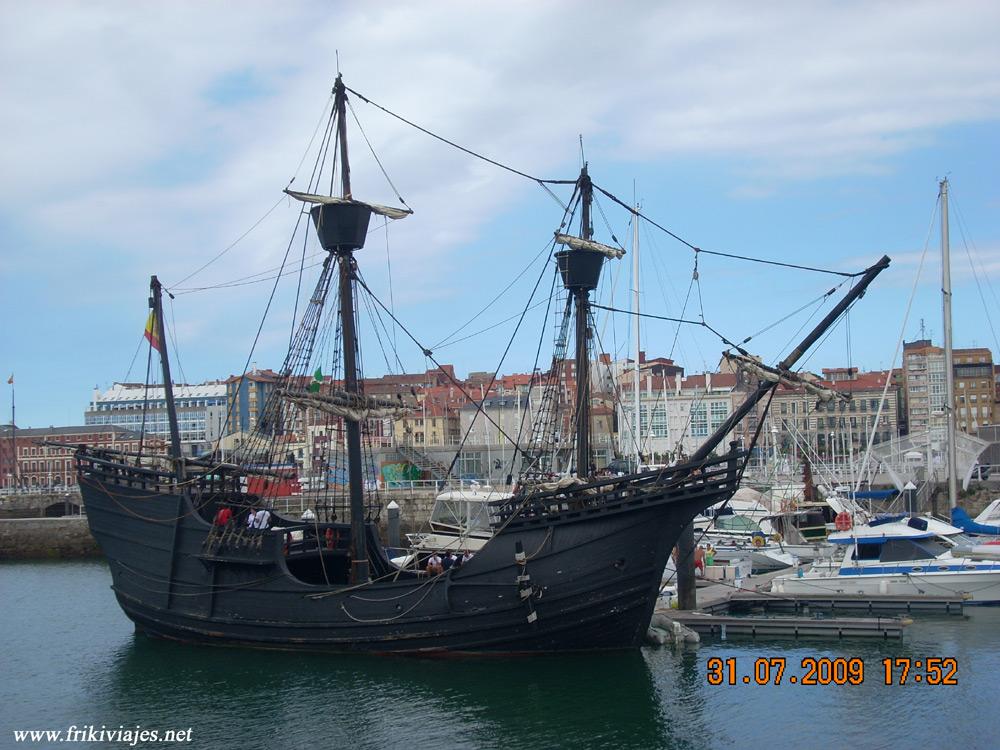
{"x":46,"y":539}
{"x":39,"y":504}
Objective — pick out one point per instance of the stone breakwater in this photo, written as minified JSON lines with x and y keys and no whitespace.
{"x":46,"y":539}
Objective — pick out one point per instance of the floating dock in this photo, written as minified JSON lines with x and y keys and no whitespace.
{"x":783,"y":602}
{"x":719,"y":603}
{"x":795,"y":627}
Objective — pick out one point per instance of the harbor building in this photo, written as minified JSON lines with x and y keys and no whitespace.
{"x":246,"y":396}
{"x":40,"y":466}
{"x":834,"y":430}
{"x":925,"y":389}
{"x":201,"y":412}
{"x":676,"y":413}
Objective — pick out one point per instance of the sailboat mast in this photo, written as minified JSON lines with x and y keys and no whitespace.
{"x":346,"y":264}
{"x":949,"y":357}
{"x":635,"y":320}
{"x":582,"y":294}
{"x":156,"y":303}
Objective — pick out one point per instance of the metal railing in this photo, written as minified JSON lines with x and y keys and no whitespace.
{"x":14,"y":491}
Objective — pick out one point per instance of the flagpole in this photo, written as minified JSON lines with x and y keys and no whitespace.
{"x":13,"y":432}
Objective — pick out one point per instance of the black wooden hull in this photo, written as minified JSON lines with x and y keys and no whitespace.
{"x":590,"y":579}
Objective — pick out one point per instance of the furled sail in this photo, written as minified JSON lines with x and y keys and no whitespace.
{"x":805,"y":380}
{"x":578,"y":243}
{"x":350,"y":406}
{"x":387,"y":211}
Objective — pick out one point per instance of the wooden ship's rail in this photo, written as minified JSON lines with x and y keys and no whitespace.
{"x":689,"y":481}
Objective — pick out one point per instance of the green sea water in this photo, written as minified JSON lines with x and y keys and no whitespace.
{"x":69,"y":657}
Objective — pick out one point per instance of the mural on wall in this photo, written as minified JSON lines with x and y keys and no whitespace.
{"x":337,"y":475}
{"x":395,"y":472}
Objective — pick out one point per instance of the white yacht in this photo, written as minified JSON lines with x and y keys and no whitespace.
{"x":763,"y":557}
{"x":902,"y":555}
{"x":460,"y":520}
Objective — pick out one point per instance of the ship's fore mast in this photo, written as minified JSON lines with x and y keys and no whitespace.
{"x":341,"y":228}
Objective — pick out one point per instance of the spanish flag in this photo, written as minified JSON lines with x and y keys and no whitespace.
{"x":152,"y":335}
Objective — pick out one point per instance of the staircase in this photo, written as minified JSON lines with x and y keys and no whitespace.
{"x":423,"y":462}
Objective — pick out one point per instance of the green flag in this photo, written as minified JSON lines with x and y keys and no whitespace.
{"x":317,"y":380}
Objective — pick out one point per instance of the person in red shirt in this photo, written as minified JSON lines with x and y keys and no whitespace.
{"x":224,"y":516}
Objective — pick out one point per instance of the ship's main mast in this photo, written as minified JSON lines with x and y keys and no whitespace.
{"x":580,"y":267}
{"x":341,"y":228}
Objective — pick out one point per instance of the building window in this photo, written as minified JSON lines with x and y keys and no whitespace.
{"x":699,"y":420}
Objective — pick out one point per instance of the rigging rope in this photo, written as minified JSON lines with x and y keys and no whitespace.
{"x":677,"y":330}
{"x":231,"y":245}
{"x":899,"y":348}
{"x":679,"y":321}
{"x":982,"y":298}
{"x":447,"y":340}
{"x":375,"y":156}
{"x":470,"y":152}
{"x":430,"y":355}
{"x":697,"y":249}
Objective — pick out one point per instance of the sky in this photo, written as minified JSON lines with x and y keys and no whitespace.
{"x":140,"y":139}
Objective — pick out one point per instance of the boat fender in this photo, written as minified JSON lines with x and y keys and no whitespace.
{"x":777,"y":537}
{"x":758,"y":541}
{"x":843,"y":521}
{"x":519,"y":556}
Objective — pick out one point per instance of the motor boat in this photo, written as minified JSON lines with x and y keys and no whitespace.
{"x":902,"y":555}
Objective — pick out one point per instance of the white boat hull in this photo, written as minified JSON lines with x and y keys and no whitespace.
{"x":980,"y":586}
{"x":761,"y":558}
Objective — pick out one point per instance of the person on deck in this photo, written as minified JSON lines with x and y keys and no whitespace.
{"x":449,"y":561}
{"x":709,"y":555}
{"x":434,"y":564}
{"x":251,"y":517}
{"x":699,"y":560}
{"x":262,"y":519}
{"x":224,"y":516}
{"x":466,"y":557}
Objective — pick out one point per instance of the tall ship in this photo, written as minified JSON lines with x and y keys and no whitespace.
{"x":574,"y":562}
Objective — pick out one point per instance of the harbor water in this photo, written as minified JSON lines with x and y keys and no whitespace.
{"x":70,"y":658}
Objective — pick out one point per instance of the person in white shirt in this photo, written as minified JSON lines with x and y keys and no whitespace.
{"x":262,"y":519}
{"x":434,"y":564}
{"x":251,"y":518}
